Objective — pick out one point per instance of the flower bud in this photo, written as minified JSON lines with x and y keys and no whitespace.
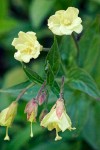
{"x":42,"y":98}
{"x":59,"y":107}
{"x":43,"y":114}
{"x":31,"y":110}
{"x":7,"y":116}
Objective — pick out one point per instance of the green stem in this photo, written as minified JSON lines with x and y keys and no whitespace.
{"x":23,"y":91}
{"x":46,"y":49}
{"x":77,"y":46}
{"x":63,"y":68}
{"x":61,"y":88}
{"x":40,"y":91}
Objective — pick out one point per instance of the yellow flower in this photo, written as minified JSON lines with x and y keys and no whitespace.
{"x":53,"y":121}
{"x":7,"y":116}
{"x":64,"y":22}
{"x":31,"y":110}
{"x":27,"y":46}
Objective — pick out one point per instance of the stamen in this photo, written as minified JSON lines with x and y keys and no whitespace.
{"x":57,"y":136}
{"x":31,"y":135}
{"x":7,"y":136}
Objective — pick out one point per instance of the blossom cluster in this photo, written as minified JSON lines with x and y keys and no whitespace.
{"x":63,"y":22}
{"x":56,"y":119}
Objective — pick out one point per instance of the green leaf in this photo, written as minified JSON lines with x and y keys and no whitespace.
{"x":33,"y":76}
{"x":77,"y":106}
{"x":91,"y":132}
{"x":11,"y":77}
{"x":79,"y":79}
{"x":53,"y":57}
{"x":29,"y":94}
{"x":7,"y":24}
{"x":50,"y":81}
{"x":39,"y":9}
{"x":23,"y":136}
{"x":4,"y":8}
{"x":96,"y":1}
{"x":89,"y":49}
{"x":55,"y":88}
{"x":50,"y":75}
{"x":54,"y":145}
{"x":15,"y":90}
{"x":67,"y":51}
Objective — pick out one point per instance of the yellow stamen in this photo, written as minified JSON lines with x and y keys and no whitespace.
{"x":57,"y":136}
{"x":67,"y":22}
{"x":7,"y":136}
{"x":31,"y":135}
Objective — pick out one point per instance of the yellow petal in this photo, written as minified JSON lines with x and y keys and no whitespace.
{"x":50,"y":119}
{"x":65,"y":122}
{"x":72,"y":13}
{"x":3,"y":115}
{"x":32,"y":117}
{"x":7,"y":115}
{"x":65,"y":22}
{"x":27,"y":46}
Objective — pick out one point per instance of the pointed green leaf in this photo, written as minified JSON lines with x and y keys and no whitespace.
{"x":79,"y":79}
{"x":33,"y":76}
{"x":50,"y":75}
{"x":17,"y":89}
{"x":53,"y":57}
{"x":50,"y":81}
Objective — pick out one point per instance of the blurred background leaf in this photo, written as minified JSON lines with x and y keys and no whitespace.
{"x":39,"y":10}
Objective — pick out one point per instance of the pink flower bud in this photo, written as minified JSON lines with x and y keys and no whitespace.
{"x":59,"y":107}
{"x":43,"y":114}
{"x":42,"y":98}
{"x":31,"y":110}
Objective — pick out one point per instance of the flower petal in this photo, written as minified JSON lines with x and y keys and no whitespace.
{"x":78,"y":29}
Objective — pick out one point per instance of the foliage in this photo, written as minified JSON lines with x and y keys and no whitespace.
{"x":82,"y":75}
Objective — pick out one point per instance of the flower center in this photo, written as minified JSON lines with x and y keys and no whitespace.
{"x":67,"y":22}
{"x":27,"y":50}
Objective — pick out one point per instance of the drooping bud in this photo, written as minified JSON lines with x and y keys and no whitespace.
{"x":7,"y":116}
{"x":43,"y":114}
{"x":58,"y":118}
{"x":42,"y":97}
{"x":31,"y":110}
{"x":52,"y":121}
{"x":59,"y":107}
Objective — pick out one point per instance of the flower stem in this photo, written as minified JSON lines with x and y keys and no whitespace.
{"x":61,"y":88}
{"x":46,"y":49}
{"x":63,"y":68}
{"x":23,"y":91}
{"x":77,"y":46}
{"x":40,"y":91}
